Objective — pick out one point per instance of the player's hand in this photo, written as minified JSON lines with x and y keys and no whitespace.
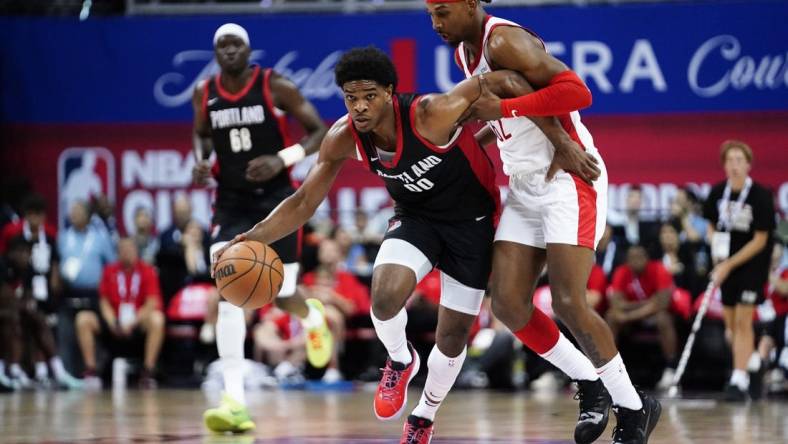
{"x":218,"y":254}
{"x":572,"y":158}
{"x":263,"y":168}
{"x":201,"y":172}
{"x":486,"y":107}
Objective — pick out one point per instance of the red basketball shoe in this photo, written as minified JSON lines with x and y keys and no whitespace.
{"x":392,"y":393}
{"x":416,"y":431}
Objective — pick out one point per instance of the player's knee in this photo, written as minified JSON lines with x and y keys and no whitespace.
{"x":387,"y":299}
{"x":512,"y":311}
{"x":566,"y":308}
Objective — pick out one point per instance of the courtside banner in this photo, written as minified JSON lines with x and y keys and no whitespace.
{"x":636,"y":58}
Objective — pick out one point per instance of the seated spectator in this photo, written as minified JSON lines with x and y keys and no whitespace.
{"x":30,"y":322}
{"x":103,"y":216}
{"x":685,"y":214}
{"x":611,"y":250}
{"x":641,"y":291}
{"x":85,"y":249}
{"x":34,"y":229}
{"x":596,"y":289}
{"x":183,"y":251}
{"x":491,"y":354}
{"x":279,"y":343}
{"x":678,"y":259}
{"x":773,"y":345}
{"x":633,"y":229}
{"x":129,"y":310}
{"x":354,"y":254}
{"x":144,"y":238}
{"x":340,"y":292}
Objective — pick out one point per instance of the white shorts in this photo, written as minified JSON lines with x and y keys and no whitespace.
{"x":454,"y":295}
{"x":564,"y":211}
{"x":288,"y":283}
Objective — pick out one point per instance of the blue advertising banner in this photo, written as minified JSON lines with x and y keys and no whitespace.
{"x":638,"y":58}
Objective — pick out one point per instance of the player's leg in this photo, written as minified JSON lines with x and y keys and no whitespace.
{"x":518,"y":259}
{"x":574,"y":221}
{"x":458,"y":310}
{"x":406,"y":255}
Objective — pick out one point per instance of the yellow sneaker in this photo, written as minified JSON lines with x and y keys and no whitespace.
{"x":230,"y":416}
{"x":318,"y":340}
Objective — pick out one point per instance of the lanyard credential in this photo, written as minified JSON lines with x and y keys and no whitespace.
{"x":726,"y":210}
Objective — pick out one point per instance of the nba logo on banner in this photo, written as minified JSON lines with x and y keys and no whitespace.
{"x":83,"y":173}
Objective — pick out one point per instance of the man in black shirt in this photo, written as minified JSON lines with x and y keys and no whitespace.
{"x":741,"y":213}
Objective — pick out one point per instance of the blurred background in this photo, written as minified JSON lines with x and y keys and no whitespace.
{"x":96,"y":131}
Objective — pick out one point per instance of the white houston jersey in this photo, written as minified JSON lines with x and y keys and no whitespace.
{"x":524,"y":148}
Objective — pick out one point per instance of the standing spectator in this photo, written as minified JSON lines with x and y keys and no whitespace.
{"x":129,"y":310}
{"x":85,"y":249}
{"x":685,"y":215}
{"x":103,"y":218}
{"x":144,"y":237}
{"x":641,"y":291}
{"x":742,"y":218}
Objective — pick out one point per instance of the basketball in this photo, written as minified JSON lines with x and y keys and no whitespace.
{"x":249,"y":274}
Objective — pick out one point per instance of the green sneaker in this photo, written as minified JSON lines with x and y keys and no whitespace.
{"x":230,"y":416}
{"x":318,"y":339}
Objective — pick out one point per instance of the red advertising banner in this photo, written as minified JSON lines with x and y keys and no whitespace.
{"x":149,"y":164}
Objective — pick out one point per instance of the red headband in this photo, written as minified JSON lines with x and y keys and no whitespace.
{"x":443,"y":1}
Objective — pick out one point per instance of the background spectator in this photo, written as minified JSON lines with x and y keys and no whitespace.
{"x":640,"y":292}
{"x":144,"y":237}
{"x":129,"y":310}
{"x":634,"y":230}
{"x":85,"y":249}
{"x":742,"y":218}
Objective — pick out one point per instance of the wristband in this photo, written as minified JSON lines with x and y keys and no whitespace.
{"x":292,"y":154}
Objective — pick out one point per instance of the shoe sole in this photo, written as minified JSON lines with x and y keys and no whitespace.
{"x":219,"y":423}
{"x":416,"y":366}
{"x":653,"y":419}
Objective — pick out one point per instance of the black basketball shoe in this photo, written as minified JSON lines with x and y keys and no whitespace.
{"x":635,"y":426}
{"x":594,"y":410}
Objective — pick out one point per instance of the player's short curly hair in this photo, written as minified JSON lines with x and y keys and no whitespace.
{"x":368,"y":63}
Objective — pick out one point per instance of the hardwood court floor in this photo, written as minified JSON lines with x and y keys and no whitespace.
{"x":292,"y":417}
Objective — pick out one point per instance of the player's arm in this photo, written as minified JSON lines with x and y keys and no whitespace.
{"x":437,"y":115}
{"x":288,"y":98}
{"x":558,"y":89}
{"x":201,"y":138}
{"x":295,"y":211}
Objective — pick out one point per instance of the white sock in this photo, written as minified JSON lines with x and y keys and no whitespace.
{"x":616,"y":379}
{"x":58,"y":370}
{"x":230,"y":337}
{"x":740,"y":378}
{"x":392,"y":334}
{"x":570,"y":360}
{"x":313,"y":319}
{"x":754,"y":364}
{"x":17,"y":372}
{"x":42,"y":372}
{"x":442,"y":372}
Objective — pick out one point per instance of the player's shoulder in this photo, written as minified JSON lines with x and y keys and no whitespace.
{"x":340,"y":140}
{"x":508,"y":35}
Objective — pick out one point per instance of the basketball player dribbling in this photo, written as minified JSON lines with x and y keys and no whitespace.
{"x":554,"y":213}
{"x":240,"y":115}
{"x":446,"y":204}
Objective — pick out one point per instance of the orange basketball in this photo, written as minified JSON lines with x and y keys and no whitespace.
{"x":249,"y":274}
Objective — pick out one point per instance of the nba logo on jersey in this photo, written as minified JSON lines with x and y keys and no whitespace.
{"x":83,"y":173}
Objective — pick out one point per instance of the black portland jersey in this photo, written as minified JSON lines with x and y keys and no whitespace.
{"x":456,"y":182}
{"x":245,"y":125}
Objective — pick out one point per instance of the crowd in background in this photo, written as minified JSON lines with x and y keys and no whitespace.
{"x":74,"y":299}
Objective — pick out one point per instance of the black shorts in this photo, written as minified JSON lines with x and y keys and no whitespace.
{"x":776,"y":330}
{"x":461,"y":249}
{"x":738,"y":291}
{"x":228,"y":224}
